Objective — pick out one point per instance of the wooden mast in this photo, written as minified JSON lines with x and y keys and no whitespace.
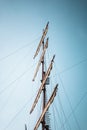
{"x":42,"y":88}
{"x":44,"y":91}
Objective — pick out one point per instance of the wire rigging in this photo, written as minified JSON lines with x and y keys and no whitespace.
{"x":58,"y":112}
{"x":55,"y":108}
{"x":17,"y":50}
{"x":54,"y":121}
{"x":63,"y":112}
{"x":19,"y":77}
{"x":72,"y":66}
{"x":16,"y":65}
{"x":74,"y":109}
{"x":69,"y":103}
{"x":18,"y":113}
{"x":68,"y":97}
{"x":66,"y":93}
{"x":10,"y":95}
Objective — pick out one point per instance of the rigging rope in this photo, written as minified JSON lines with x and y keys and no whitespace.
{"x":72,"y":66}
{"x":11,"y":83}
{"x":18,"y":113}
{"x":74,"y":109}
{"x":17,"y":50}
{"x":69,"y":103}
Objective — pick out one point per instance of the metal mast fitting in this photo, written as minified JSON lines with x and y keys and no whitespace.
{"x":46,"y":107}
{"x":41,"y":58}
{"x":25,"y":127}
{"x":42,"y":39}
{"x":42,"y":85}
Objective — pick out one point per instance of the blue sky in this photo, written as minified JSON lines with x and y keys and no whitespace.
{"x":21,"y":26}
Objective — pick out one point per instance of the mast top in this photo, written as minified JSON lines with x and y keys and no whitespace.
{"x":42,"y":39}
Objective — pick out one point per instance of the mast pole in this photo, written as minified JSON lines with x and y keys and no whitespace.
{"x":45,"y":106}
{"x":44,"y":91}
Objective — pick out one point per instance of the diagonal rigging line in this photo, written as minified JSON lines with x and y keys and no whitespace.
{"x":55,"y":118}
{"x":17,"y":65}
{"x":55,"y":107}
{"x":17,"y":50}
{"x":7,"y":99}
{"x":64,"y":113}
{"x":70,"y":105}
{"x":77,"y":105}
{"x":19,"y":77}
{"x":74,"y":65}
{"x":77,"y":123}
{"x":59,"y":114}
{"x":18,"y":113}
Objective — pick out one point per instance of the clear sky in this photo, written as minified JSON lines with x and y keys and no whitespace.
{"x":21,"y":26}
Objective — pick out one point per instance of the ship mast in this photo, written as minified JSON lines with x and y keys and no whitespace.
{"x":44,"y":90}
{"x":45,"y":76}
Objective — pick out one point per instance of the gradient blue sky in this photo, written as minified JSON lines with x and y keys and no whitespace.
{"x":21,"y":23}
